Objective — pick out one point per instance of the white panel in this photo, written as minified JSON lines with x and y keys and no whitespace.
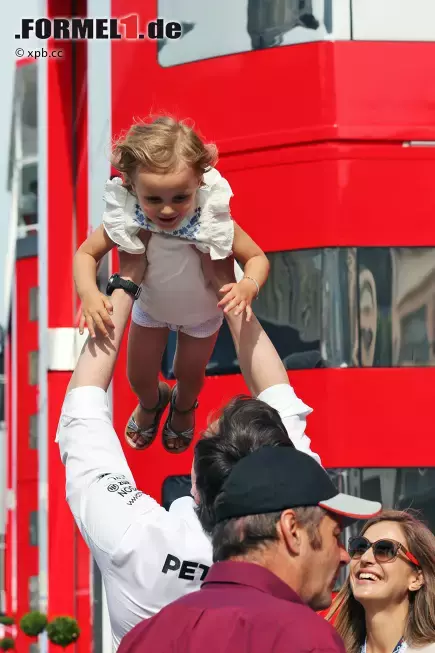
{"x":64,"y":347}
{"x":338,"y":12}
{"x":99,"y":147}
{"x":99,"y":115}
{"x":393,"y":20}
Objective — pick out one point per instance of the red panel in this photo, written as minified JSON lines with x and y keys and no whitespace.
{"x":83,"y":594}
{"x":69,"y":575}
{"x":27,"y":459}
{"x":282,"y":95}
{"x":9,"y":417}
{"x":61,"y":574}
{"x":81,"y":136}
{"x":393,"y":96}
{"x":334,"y":195}
{"x":349,"y":405}
{"x":59,"y":182}
{"x":387,"y":412}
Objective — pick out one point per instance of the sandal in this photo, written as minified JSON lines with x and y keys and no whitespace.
{"x":149,"y":433}
{"x":169,"y":433}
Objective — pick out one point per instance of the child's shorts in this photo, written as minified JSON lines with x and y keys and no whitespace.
{"x":203,"y":330}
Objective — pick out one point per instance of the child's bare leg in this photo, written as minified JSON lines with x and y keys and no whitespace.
{"x":144,"y":359}
{"x":191,"y":358}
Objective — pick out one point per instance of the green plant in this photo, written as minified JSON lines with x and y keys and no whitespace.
{"x":33,"y":623}
{"x":6,"y":621}
{"x":63,"y":631}
{"x":7,"y":644}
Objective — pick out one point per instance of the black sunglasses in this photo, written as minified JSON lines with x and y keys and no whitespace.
{"x":383,"y":550}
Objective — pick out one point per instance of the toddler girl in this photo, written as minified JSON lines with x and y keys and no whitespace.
{"x":169,"y":203}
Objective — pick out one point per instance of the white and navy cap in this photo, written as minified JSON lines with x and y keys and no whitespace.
{"x":275,"y":478}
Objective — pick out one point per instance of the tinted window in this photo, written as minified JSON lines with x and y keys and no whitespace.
{"x":342,"y":307}
{"x":33,"y":527}
{"x":175,"y":487}
{"x":214,"y":29}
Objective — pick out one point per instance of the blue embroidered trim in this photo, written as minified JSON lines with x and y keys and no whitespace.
{"x":188,"y":231}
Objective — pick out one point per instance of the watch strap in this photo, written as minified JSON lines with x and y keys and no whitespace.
{"x":130,"y":287}
{"x":117,"y":282}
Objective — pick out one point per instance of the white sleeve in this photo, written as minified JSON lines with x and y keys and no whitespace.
{"x":100,"y":488}
{"x":293,"y":413}
{"x":121,"y":219}
{"x":215,"y":233}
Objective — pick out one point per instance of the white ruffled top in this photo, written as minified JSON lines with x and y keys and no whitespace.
{"x":174,"y":290}
{"x":210,"y":227}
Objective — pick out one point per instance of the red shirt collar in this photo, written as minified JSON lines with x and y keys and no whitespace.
{"x":250,"y":575}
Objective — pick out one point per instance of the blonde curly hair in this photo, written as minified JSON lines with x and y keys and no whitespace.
{"x":159,"y":146}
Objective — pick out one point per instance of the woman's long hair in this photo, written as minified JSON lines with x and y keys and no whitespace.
{"x":348,"y":614}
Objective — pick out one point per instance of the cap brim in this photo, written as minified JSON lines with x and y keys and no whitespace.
{"x":351,"y":508}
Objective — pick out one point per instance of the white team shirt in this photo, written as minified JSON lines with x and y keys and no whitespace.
{"x":148,"y":556}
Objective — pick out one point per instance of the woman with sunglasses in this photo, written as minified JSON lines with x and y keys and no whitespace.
{"x":387,"y":604}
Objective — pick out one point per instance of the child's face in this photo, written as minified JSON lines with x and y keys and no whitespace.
{"x":166,"y":198}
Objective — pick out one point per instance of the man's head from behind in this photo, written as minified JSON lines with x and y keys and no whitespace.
{"x":244,"y":426}
{"x":279,"y":508}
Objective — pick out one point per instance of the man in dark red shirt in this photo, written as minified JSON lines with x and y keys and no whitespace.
{"x":277,"y":554}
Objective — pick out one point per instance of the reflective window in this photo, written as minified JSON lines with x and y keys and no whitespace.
{"x":34,"y":528}
{"x":34,"y":593}
{"x":27,"y":82}
{"x":2,"y":398}
{"x":175,"y":487}
{"x":33,"y":303}
{"x":214,"y":29}
{"x":23,"y":154}
{"x":342,"y":307}
{"x":28,"y":201}
{"x":33,"y":367}
{"x":33,"y":431}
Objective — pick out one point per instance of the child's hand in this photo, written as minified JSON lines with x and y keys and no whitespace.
{"x":239,"y":296}
{"x":95,"y":312}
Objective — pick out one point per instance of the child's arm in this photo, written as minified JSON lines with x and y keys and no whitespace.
{"x":95,"y":305}
{"x":256,"y":270}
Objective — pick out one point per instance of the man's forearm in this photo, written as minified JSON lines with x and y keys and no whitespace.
{"x":259,"y":361}
{"x":98,"y":356}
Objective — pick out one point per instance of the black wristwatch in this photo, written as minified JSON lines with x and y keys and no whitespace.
{"x":116,"y":282}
